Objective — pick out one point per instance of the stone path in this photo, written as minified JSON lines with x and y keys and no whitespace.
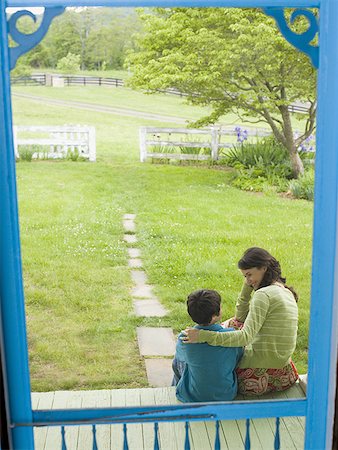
{"x":157,"y":345}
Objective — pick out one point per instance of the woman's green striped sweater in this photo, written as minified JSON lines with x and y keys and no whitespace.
{"x":269,"y":333}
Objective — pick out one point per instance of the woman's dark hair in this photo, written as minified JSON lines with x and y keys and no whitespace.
{"x":258,"y":257}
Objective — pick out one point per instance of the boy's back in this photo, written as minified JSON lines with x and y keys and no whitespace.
{"x":209,"y":374}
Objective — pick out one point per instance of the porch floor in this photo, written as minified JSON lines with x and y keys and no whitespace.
{"x":171,"y":435}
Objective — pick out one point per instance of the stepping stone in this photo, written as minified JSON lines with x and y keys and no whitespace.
{"x":129,"y":216}
{"x":149,"y":308}
{"x":142,"y":291}
{"x":134,"y":253}
{"x":156,"y":341}
{"x":129,"y":225}
{"x":135,"y":263}
{"x":159,"y":372}
{"x":130,"y":238}
{"x":139,"y":277}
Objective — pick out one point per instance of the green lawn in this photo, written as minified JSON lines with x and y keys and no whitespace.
{"x":192,"y":228}
{"x":166,"y":104}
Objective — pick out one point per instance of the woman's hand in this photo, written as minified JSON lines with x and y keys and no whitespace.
{"x":190,"y":336}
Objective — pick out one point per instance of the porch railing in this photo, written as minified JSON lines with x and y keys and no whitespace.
{"x":187,"y":413}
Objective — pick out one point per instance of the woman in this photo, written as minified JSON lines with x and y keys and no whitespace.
{"x":269,"y":331}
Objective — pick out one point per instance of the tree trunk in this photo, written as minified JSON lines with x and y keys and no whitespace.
{"x":296,"y":162}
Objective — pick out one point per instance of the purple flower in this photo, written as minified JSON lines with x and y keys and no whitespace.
{"x":242,"y":135}
{"x":308,"y":145}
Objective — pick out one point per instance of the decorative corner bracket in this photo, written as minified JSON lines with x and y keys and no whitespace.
{"x":26,"y":42}
{"x":300,"y":41}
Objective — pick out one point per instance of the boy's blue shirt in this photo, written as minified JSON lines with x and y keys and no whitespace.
{"x":210,"y":371}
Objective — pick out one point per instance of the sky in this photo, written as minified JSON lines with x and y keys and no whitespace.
{"x":33,"y":10}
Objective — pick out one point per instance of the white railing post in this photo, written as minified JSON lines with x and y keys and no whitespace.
{"x":60,"y":139}
{"x":92,"y":143}
{"x":15,"y":142}
{"x":143,"y":144}
{"x":214,"y":143}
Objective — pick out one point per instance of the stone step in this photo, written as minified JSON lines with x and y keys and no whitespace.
{"x":149,"y":308}
{"x":139,"y":277}
{"x":130,"y":238}
{"x":135,"y":263}
{"x":134,"y":253}
{"x":156,"y":341}
{"x":159,"y":372}
{"x":143,"y":291}
{"x":129,"y":226}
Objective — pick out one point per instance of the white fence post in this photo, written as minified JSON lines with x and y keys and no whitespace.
{"x":59,"y":140}
{"x":210,"y":138}
{"x":92,"y":144}
{"x":143,"y":145}
{"x":15,"y":142}
{"x":214,"y":144}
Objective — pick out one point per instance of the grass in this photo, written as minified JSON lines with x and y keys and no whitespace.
{"x":192,"y":228}
{"x":168,"y":105}
{"x":123,"y":97}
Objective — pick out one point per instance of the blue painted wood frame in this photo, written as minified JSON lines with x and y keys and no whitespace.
{"x":324,"y":301}
{"x":324,"y":297}
{"x":13,"y":326}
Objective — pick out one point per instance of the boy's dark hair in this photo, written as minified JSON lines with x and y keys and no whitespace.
{"x":203,"y":304}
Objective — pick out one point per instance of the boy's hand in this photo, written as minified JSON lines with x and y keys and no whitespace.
{"x":190,"y":336}
{"x":226,"y":323}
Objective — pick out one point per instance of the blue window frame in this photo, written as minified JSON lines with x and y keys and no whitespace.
{"x":318,"y":407}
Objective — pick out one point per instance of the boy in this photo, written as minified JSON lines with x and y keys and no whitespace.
{"x":204,"y":373}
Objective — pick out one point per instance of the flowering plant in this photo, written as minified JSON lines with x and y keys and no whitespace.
{"x":308,"y":145}
{"x":242,"y":134}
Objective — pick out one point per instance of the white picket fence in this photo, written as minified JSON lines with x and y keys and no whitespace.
{"x":56,"y":141}
{"x":212,"y":141}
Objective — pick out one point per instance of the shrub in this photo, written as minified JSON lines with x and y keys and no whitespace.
{"x":73,"y":155}
{"x":26,"y":153}
{"x":243,"y":180}
{"x":308,"y":158}
{"x":266,"y":158}
{"x":69,"y":63}
{"x":21,"y":70}
{"x":247,"y":183}
{"x":303,"y":187}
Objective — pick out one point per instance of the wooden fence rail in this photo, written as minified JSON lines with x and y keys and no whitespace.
{"x":31,"y":80}
{"x":91,"y":81}
{"x":60,"y":80}
{"x":56,"y":141}
{"x":206,"y":149}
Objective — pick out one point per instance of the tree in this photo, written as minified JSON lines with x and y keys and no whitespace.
{"x":112,"y":36}
{"x":69,"y":64}
{"x":62,"y":38}
{"x":101,"y":36}
{"x":232,"y":60}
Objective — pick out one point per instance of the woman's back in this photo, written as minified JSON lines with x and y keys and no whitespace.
{"x":274,"y":310}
